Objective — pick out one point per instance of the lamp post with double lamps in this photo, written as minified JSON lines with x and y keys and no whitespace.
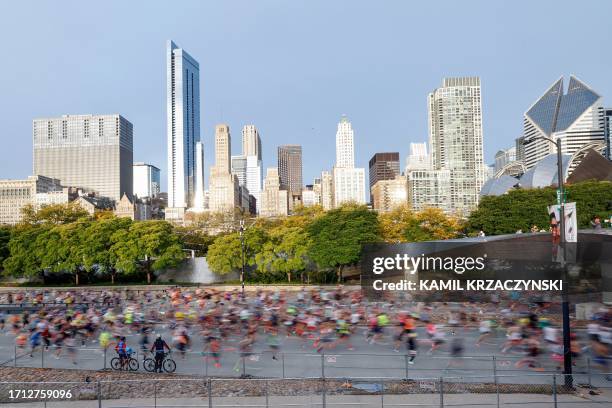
{"x":567,"y":354}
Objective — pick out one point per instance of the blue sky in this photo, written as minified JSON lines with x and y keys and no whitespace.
{"x":291,"y":67}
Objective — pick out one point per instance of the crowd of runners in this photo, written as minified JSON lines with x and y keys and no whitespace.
{"x":319,"y":319}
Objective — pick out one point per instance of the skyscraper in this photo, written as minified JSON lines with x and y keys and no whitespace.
{"x":224,"y":188}
{"x":146,"y":180}
{"x":608,"y":128}
{"x":251,"y":151}
{"x":345,"y":150}
{"x":503,"y":157}
{"x":198,"y":199}
{"x":455,"y":139}
{"x":223,"y":145}
{"x":274,"y":200}
{"x":183,"y":126}
{"x":418,"y":159}
{"x":389,"y":194}
{"x":327,"y":190}
{"x":239,"y":168}
{"x":93,"y":152}
{"x":577,"y":117}
{"x":251,"y":142}
{"x":290,"y":170}
{"x":348,"y":181}
{"x":383,"y":166}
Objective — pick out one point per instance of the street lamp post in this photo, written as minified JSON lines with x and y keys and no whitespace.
{"x":567,"y":354}
{"x":242,"y":256}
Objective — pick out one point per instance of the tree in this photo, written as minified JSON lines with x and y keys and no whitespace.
{"x":393,"y":224}
{"x":61,"y":248}
{"x":337,"y":236}
{"x":521,"y":209}
{"x":195,"y":238}
{"x":5,"y":238}
{"x":225,"y":253}
{"x":97,"y":244}
{"x":432,"y":224}
{"x":23,"y":260}
{"x":285,"y":252}
{"x":53,"y":214}
{"x":152,"y":244}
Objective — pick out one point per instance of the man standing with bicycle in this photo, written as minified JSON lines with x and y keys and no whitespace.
{"x":159,"y":345}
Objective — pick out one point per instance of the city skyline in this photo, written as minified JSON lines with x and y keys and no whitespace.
{"x":266,"y":95}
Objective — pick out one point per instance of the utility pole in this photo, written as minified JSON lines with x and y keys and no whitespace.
{"x":242,"y":255}
{"x":567,"y":353}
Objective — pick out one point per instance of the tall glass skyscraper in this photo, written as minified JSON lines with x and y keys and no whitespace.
{"x":183,"y":114}
{"x":577,"y":117}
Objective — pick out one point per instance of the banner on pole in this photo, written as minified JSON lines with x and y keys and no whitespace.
{"x":571,"y":222}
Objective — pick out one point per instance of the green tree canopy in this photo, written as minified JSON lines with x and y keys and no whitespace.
{"x":337,"y":236}
{"x":286,"y":251}
{"x":149,"y":243}
{"x":225,"y":254}
{"x":53,"y":214}
{"x":522,"y":209}
{"x":23,"y":260}
{"x":5,"y":238}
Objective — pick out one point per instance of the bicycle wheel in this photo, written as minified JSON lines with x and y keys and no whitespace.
{"x":133,"y":364}
{"x":116,"y":363}
{"x":169,"y":365}
{"x":149,"y":365}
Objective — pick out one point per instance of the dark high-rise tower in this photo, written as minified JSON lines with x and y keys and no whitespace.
{"x":383,"y":166}
{"x":290,"y":169}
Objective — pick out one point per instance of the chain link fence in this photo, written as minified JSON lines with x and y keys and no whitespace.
{"x":531,"y":390}
{"x":232,"y":363}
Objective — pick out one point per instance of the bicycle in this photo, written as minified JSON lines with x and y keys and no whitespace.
{"x":128,"y":363}
{"x":168,"y":365}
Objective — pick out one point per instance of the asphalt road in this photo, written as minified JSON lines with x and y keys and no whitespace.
{"x":297,"y":358}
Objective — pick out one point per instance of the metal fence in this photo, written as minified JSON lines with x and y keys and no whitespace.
{"x":293,"y":364}
{"x":533,"y":390}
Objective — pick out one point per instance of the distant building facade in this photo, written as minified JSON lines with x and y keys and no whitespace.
{"x":93,"y":152}
{"x":274,"y":201}
{"x":146,"y":180}
{"x":383,"y":166}
{"x":224,"y":188}
{"x":504,"y":157}
{"x":16,"y":194}
{"x":429,"y":188}
{"x":389,"y":194}
{"x":134,"y":210}
{"x":290,"y":172}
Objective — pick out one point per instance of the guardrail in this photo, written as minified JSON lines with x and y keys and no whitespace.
{"x":483,"y":391}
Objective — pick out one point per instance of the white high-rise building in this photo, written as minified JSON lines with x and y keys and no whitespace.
{"x":254,"y":178}
{"x":418,"y":159}
{"x":503,"y":157}
{"x":348,"y":181}
{"x":239,"y":168}
{"x":198,"y":200}
{"x":576,"y":117}
{"x":251,"y":142}
{"x":183,"y":121}
{"x":146,"y":180}
{"x":455,"y":139}
{"x":345,"y":149}
{"x":327,"y":190}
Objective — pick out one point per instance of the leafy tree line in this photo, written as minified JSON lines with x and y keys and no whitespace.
{"x":312,"y":240}
{"x":64,"y":239}
{"x":523,"y":209}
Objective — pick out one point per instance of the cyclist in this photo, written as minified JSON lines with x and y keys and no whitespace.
{"x":121,"y":349}
{"x":159,"y":345}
